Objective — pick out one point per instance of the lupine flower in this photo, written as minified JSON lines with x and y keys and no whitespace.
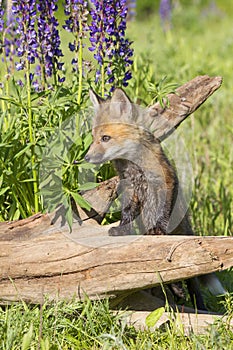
{"x":27,"y":43}
{"x":107,"y":36}
{"x":1,"y":17}
{"x":131,"y":4}
{"x":36,"y":36}
{"x":2,"y":27}
{"x":7,"y":39}
{"x":165,"y":14}
{"x":77,"y":13}
{"x":48,"y":39}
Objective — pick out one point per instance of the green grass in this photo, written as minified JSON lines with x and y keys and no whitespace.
{"x":91,"y":325}
{"x":197,"y":44}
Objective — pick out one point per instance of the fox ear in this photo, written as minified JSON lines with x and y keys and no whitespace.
{"x":120,"y":103}
{"x":95,"y":99}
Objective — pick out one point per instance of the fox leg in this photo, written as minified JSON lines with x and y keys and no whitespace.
{"x":195,"y":294}
{"x":130,"y":209}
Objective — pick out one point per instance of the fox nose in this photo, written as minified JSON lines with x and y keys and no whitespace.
{"x":87,"y":158}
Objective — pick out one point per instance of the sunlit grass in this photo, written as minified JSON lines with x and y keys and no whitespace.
{"x":92,"y":325}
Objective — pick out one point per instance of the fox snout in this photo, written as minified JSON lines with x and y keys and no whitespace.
{"x":90,"y":159}
{"x":95,"y":154}
{"x":87,"y":158}
{"x":95,"y":160}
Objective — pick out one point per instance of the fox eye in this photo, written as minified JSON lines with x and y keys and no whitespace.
{"x":105,"y":138}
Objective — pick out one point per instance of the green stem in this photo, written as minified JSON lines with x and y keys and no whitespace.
{"x":102,"y":80}
{"x":43,"y":74}
{"x":31,"y":138}
{"x":2,"y":102}
{"x":54,"y":75}
{"x":7,"y":109}
{"x":80,"y":65}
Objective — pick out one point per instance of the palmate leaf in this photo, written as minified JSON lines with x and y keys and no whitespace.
{"x":85,"y":165}
{"x":160,"y":90}
{"x":11,"y":100}
{"x":80,"y":200}
{"x":22,"y":151}
{"x":88,"y":186}
{"x":3,"y":190}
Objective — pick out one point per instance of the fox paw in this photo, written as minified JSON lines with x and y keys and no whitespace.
{"x":118,"y":231}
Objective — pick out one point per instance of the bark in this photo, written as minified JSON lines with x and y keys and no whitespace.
{"x":58,"y":263}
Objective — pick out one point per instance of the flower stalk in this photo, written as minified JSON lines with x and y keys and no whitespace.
{"x":77,"y":13}
{"x":32,"y":138}
{"x":80,"y":66}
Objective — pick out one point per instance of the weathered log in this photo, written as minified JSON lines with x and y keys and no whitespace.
{"x":88,"y":261}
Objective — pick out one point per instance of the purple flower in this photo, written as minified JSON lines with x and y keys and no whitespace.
{"x":36,"y":85}
{"x":1,"y":19}
{"x":107,"y":38}
{"x":24,"y":12}
{"x":131,"y":4}
{"x":165,"y":11}
{"x":48,"y":38}
{"x":19,"y":65}
{"x":72,"y":47}
{"x":34,"y":35}
{"x":77,"y":13}
{"x":7,"y":40}
{"x":20,"y":83}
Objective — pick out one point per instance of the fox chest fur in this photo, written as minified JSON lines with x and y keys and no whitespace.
{"x":149,"y":196}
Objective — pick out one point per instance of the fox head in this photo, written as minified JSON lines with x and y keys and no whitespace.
{"x":117,"y":109}
{"x":113,"y":141}
{"x":116,"y":133}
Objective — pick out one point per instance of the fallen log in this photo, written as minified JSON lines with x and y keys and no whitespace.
{"x":61,"y":264}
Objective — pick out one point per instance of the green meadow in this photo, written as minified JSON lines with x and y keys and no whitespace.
{"x":199,"y":42}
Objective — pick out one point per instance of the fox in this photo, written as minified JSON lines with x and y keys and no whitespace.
{"x":152,"y":201}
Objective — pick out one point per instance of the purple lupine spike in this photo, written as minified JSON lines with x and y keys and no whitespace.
{"x":36,"y":36}
{"x":77,"y":12}
{"x":8,"y":39}
{"x":2,"y":12}
{"x":49,"y":38}
{"x":131,"y":4}
{"x":24,"y":12}
{"x":107,"y":38}
{"x":165,"y":11}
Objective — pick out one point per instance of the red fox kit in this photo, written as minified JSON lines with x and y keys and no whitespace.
{"x":149,"y":183}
